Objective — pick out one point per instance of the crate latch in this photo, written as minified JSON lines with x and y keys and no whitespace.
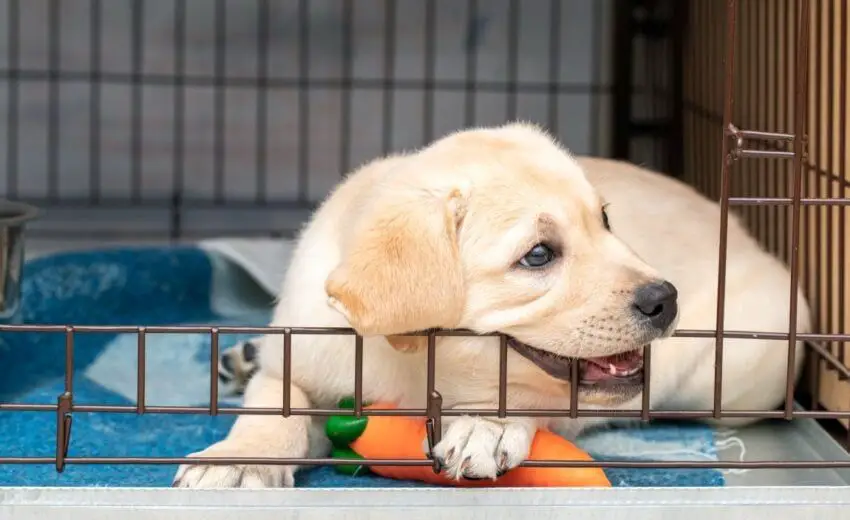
{"x":63,"y":429}
{"x":433,"y":426}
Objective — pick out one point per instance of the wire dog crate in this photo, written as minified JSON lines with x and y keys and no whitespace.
{"x":146,"y":121}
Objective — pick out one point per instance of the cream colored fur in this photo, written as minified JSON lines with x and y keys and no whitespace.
{"x":431,"y":238}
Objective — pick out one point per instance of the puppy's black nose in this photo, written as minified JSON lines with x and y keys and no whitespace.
{"x":656,"y":302}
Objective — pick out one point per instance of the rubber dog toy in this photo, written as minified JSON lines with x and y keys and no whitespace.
{"x":386,"y":437}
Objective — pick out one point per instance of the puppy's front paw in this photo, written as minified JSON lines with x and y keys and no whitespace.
{"x":476,"y":448}
{"x":215,"y":476}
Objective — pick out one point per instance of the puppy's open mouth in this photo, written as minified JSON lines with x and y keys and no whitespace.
{"x":625,"y":368}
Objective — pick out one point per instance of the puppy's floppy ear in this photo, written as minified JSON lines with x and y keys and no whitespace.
{"x":401,"y":270}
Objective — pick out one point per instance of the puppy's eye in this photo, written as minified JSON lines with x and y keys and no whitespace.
{"x":538,"y":256}
{"x":605,"y":221}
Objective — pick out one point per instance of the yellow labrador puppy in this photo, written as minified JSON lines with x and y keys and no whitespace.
{"x":500,"y":229}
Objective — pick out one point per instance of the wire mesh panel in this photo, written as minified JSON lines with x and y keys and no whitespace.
{"x":239,"y":116}
{"x":762,"y":188}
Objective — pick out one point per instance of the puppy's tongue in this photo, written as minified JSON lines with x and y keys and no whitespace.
{"x":607,"y":367}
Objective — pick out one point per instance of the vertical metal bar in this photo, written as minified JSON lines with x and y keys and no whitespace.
{"x":214,"y":355}
{"x":287,"y":372}
{"x":433,"y":399}
{"x":652,"y":71}
{"x":813,"y":240}
{"x":54,"y":42}
{"x":430,"y":70}
{"x":709,"y":95}
{"x":728,"y":107}
{"x":596,"y":90}
{"x":358,"y":375}
{"x":785,"y":182}
{"x":555,"y":63}
{"x":776,"y":167}
{"x":688,"y":129}
{"x":65,"y":404}
{"x":179,"y":109}
{"x":219,"y":101}
{"x":703,"y":108}
{"x":346,"y":86}
{"x":646,"y":403}
{"x":780,"y":98}
{"x":623,"y":80}
{"x":754,"y":66}
{"x":69,"y":359}
{"x":431,"y":374}
{"x":756,"y":89}
{"x":800,"y":106}
{"x":676,"y":137}
{"x":471,"y":63}
{"x":575,"y":383}
{"x":843,"y":348}
{"x":811,"y":283}
{"x":141,"y":370}
{"x":765,"y":119}
{"x":303,"y":100}
{"x":503,"y":376}
{"x":13,"y":47}
{"x":513,"y":60}
{"x":261,"y":118}
{"x":136,"y":101}
{"x":389,"y":76}
{"x":95,"y":101}
{"x":696,"y":140}
{"x":813,"y":362}
{"x":828,"y":268}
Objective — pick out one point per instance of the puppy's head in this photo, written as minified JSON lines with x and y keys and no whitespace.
{"x":498,"y":230}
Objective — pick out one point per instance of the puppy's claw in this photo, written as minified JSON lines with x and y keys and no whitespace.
{"x":449,"y":461}
{"x":502,"y":461}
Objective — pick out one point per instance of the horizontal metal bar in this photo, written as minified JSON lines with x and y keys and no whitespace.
{"x":237,"y":205}
{"x":421,"y":412}
{"x":785,"y":201}
{"x":751,"y":153}
{"x":194,"y":80}
{"x":778,"y":336}
{"x":154,"y":202}
{"x":90,"y":235}
{"x":324,"y":331}
{"x":756,"y":135}
{"x":14,"y":407}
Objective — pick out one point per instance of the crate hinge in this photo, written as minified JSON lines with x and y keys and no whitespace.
{"x":778,"y":149}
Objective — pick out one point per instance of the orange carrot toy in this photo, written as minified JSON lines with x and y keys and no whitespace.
{"x":387,"y":437}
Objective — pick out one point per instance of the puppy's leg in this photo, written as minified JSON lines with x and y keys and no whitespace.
{"x":478,"y":448}
{"x":237,"y":366}
{"x":256,"y":436}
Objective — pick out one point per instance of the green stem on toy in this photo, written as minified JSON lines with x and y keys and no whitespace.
{"x":352,"y":470}
{"x":342,"y":430}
